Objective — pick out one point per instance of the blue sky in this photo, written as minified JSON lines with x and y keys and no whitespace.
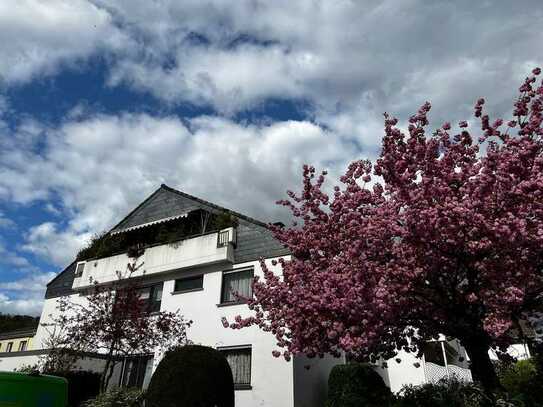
{"x":101,"y":101}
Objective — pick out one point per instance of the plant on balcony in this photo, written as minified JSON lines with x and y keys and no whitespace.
{"x":195,"y":223}
{"x":443,"y":234}
{"x":192,"y":375}
{"x":114,"y":321}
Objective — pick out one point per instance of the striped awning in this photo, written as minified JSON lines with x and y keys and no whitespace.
{"x":182,"y":215}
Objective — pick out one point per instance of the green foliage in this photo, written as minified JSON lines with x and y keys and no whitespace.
{"x":520,"y":381}
{"x":445,"y":393}
{"x":117,"y":397}
{"x":30,"y":369}
{"x":13,"y":322}
{"x":356,"y":384}
{"x":196,"y":222}
{"x":192,"y":376}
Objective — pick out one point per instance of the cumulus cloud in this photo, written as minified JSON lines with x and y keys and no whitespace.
{"x":5,"y":222}
{"x":25,"y":295}
{"x":102,"y":166}
{"x":38,"y":37}
{"x":30,"y":305}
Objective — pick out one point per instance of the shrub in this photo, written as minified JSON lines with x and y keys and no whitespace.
{"x":445,"y":393}
{"x":117,"y":397}
{"x":356,"y":384}
{"x":82,"y":385}
{"x":520,"y":382}
{"x":192,"y":376}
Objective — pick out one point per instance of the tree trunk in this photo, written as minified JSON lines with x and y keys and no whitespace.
{"x":482,"y":368}
{"x":103,"y":376}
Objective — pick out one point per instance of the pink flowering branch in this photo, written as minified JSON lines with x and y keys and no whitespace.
{"x":447,"y":240}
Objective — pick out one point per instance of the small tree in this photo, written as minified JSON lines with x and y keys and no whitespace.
{"x":114,"y":321}
{"x":442,"y":235}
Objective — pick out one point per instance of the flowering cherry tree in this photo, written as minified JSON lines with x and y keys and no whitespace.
{"x":114,"y":321}
{"x":443,"y":234}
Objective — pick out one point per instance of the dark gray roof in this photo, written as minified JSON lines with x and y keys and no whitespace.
{"x":62,"y":283}
{"x":254,"y":239}
{"x":19,"y":333}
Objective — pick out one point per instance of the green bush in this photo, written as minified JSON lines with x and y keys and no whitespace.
{"x":445,"y":393}
{"x":356,"y":384}
{"x":520,"y":382}
{"x":117,"y":397}
{"x":192,"y":376}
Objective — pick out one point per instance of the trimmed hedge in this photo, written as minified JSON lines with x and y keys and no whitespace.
{"x":445,"y":393}
{"x":192,"y":376}
{"x":356,"y":384}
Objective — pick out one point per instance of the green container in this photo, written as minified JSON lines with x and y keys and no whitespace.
{"x":29,"y":390}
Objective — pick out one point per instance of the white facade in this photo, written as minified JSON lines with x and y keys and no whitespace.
{"x":274,"y":382}
{"x":207,"y":260}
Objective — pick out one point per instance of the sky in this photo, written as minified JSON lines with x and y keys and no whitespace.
{"x":101,"y":101}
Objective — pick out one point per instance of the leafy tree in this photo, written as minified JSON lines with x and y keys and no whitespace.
{"x":113,"y":320}
{"x":10,"y":322}
{"x":442,"y":234}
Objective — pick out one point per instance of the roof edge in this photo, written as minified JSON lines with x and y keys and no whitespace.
{"x":218,"y":207}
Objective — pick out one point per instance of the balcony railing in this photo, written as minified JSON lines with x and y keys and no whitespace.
{"x":211,"y":248}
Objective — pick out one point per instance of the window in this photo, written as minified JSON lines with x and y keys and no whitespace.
{"x":152,"y":296}
{"x":137,"y":371}
{"x":189,"y":284}
{"x":22,"y":346}
{"x":10,"y":346}
{"x":239,"y":359}
{"x":435,"y":351}
{"x":236,"y":282}
{"x":79,"y":269}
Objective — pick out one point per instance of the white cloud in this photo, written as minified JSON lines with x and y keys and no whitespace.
{"x":103,"y":166}
{"x":33,"y":282}
{"x":31,"y":305}
{"x":6,"y":222}
{"x":38,"y":36}
{"x":11,"y":258}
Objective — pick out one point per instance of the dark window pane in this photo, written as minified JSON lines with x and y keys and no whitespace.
{"x":134,"y":370}
{"x":433,"y":353}
{"x":189,"y":283}
{"x":240,"y":364}
{"x":240,"y":282}
{"x":152,"y":297}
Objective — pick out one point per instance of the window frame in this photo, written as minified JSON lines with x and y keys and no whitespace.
{"x":226,"y":349}
{"x":190,"y":290}
{"x":149,"y":301}
{"x":126,"y":375}
{"x":9,"y":347}
{"x":223,"y":303}
{"x":22,"y":346}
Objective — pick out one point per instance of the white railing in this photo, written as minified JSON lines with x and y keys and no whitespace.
{"x":193,"y":252}
{"x":435,"y":373}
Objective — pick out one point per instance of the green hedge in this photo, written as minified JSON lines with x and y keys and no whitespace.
{"x":192,"y":376}
{"x":355,"y":385}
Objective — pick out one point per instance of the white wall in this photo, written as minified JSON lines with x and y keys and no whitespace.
{"x":311,"y":379}
{"x":405,"y":372}
{"x":271,"y":378}
{"x":9,"y":364}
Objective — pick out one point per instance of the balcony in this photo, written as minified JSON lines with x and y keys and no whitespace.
{"x":211,"y":248}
